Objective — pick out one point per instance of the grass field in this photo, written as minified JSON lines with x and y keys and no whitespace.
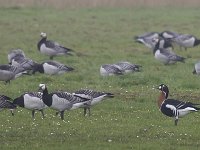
{"x":131,"y":120}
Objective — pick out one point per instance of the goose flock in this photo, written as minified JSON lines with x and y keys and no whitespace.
{"x":160,"y":44}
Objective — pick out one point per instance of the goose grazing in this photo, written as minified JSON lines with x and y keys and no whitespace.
{"x":169,"y":34}
{"x":95,"y":95}
{"x":52,"y":68}
{"x":109,"y":70}
{"x":32,"y":101}
{"x":128,"y":67}
{"x":196,"y":68}
{"x":62,"y":101}
{"x":147,"y":39}
{"x":51,"y":48}
{"x":186,"y":41}
{"x":174,"y":108}
{"x":15,"y":53}
{"x":5,"y":103}
{"x":9,"y":72}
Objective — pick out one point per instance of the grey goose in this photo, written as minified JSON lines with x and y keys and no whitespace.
{"x":128,"y":67}
{"x":32,"y":101}
{"x":169,"y":34}
{"x":95,"y":95}
{"x":6,"y":103}
{"x":61,"y":101}
{"x":109,"y":70}
{"x":51,"y":48}
{"x":52,"y":68}
{"x":15,"y":53}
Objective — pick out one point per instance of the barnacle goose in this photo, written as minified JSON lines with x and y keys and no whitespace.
{"x":51,"y":48}
{"x":109,"y":70}
{"x":174,"y":108}
{"x":6,"y":103}
{"x":62,"y":101}
{"x":15,"y":53}
{"x":186,"y":41}
{"x":168,"y":34}
{"x":196,"y":68}
{"x":96,"y":97}
{"x":128,"y":67}
{"x":9,"y":72}
{"x":32,"y":101}
{"x":52,"y":68}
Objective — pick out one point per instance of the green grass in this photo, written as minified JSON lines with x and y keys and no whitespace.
{"x":131,"y":120}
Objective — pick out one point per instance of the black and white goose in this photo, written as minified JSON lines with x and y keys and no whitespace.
{"x":163,"y":43}
{"x":110,"y":69}
{"x":6,"y":103}
{"x":51,"y":48}
{"x":95,"y":95}
{"x":169,"y":34}
{"x":52,"y":68}
{"x":174,"y":108}
{"x":186,"y":41}
{"x":32,"y":101}
{"x":9,"y":72}
{"x":15,"y":53}
{"x":196,"y":68}
{"x":62,"y":101}
{"x":128,"y":67}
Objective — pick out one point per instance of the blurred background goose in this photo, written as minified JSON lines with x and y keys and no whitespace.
{"x":15,"y":53}
{"x":51,"y":48}
{"x":109,"y":70}
{"x":196,"y":68}
{"x":168,"y":34}
{"x":128,"y":67}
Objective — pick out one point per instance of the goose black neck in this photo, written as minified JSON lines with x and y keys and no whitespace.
{"x":46,"y":97}
{"x":43,"y":40}
{"x":197,"y":42}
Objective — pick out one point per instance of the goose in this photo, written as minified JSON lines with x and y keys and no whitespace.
{"x":128,"y":67}
{"x":6,"y":103}
{"x":62,"y":101}
{"x":169,"y":34}
{"x":166,"y":56}
{"x":95,"y":95}
{"x":51,"y":48}
{"x":109,"y":70}
{"x":15,"y":53}
{"x":9,"y":72}
{"x":186,"y":41}
{"x":163,"y":43}
{"x":52,"y":68}
{"x":174,"y":108}
{"x":196,"y":68}
{"x":32,"y":101}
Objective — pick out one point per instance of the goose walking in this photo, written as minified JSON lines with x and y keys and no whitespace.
{"x":6,"y":103}
{"x":62,"y":101}
{"x":9,"y":72}
{"x":32,"y":101}
{"x":128,"y":67}
{"x":110,"y":69}
{"x":51,"y":48}
{"x":174,"y":108}
{"x":52,"y":68}
{"x":95,"y":95}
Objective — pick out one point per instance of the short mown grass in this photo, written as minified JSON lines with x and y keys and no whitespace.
{"x":131,"y":120}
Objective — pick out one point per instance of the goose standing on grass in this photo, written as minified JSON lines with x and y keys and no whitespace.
{"x":32,"y":101}
{"x":109,"y":70}
{"x":6,"y":103}
{"x":52,"y":68}
{"x":186,"y":41}
{"x":51,"y":48}
{"x":15,"y":53}
{"x":95,"y":95}
{"x":196,"y":68}
{"x":128,"y":67}
{"x":62,"y":101}
{"x":9,"y":72}
{"x":174,"y":108}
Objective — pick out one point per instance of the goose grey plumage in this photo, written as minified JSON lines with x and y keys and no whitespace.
{"x":9,"y":72}
{"x":62,"y":101}
{"x":52,"y":68}
{"x":186,"y":41}
{"x":6,"y":103}
{"x":32,"y":101}
{"x":196,"y":68}
{"x":95,"y":95}
{"x":163,"y":43}
{"x":15,"y":53}
{"x":109,"y":70}
{"x":128,"y":67}
{"x":51,"y":48}
{"x":168,"y":34}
